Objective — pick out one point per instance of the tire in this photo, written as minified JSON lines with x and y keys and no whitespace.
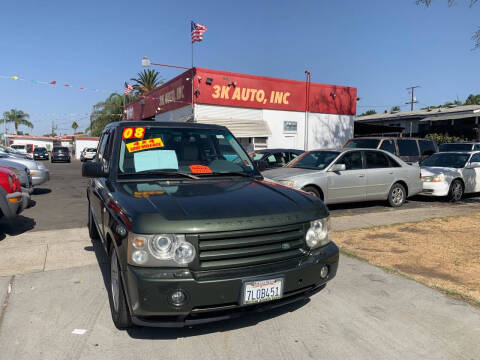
{"x":397,"y":195}
{"x":312,"y":191}
{"x":456,"y":191}
{"x":92,"y":229}
{"x":118,"y":302}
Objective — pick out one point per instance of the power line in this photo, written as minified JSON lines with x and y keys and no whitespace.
{"x":413,"y":101}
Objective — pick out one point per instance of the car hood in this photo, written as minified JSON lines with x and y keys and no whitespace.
{"x":285,"y":173}
{"x":433,"y":170}
{"x":213,"y":205}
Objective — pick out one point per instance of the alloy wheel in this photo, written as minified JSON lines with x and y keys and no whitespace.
{"x":457,"y":191}
{"x":397,"y":196}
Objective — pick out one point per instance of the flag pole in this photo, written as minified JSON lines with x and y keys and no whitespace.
{"x":192,"y":77}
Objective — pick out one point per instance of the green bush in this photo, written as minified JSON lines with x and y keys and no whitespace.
{"x":443,"y":138}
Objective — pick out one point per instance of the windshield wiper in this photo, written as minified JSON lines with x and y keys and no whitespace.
{"x":162,"y":172}
{"x":229,"y":173}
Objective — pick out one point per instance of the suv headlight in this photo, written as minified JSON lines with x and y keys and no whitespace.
{"x":317,"y":234}
{"x":169,"y":250}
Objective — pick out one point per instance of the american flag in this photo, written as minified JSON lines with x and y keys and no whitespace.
{"x":127,"y":89}
{"x":197,"y":32}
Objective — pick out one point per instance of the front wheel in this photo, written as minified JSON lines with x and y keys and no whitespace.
{"x":397,"y":195}
{"x":118,"y":302}
{"x":456,"y":191}
{"x":312,"y":191}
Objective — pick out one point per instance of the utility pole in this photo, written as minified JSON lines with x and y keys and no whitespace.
{"x":413,"y":101}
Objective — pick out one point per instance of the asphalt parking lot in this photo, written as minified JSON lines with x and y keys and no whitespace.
{"x":364,"y":313}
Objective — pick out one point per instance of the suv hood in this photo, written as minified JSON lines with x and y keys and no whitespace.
{"x":213,"y":205}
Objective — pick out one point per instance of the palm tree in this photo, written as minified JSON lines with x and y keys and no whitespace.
{"x":146,"y":81}
{"x":106,"y":112}
{"x":74,"y":126}
{"x":18,"y":117}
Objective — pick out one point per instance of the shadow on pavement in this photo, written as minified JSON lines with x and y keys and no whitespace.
{"x":138,"y":332}
{"x":41,"y":191}
{"x":15,"y":226}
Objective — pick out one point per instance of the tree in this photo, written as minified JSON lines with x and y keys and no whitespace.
{"x":74,"y":126}
{"x":473,"y":99}
{"x":476,"y":34}
{"x":146,"y":81}
{"x":104,"y":113}
{"x":18,"y":117}
{"x":368,"y":112}
{"x":395,"y":108}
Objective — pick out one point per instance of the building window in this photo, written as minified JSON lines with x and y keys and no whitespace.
{"x":260,"y":143}
{"x":290,"y":126}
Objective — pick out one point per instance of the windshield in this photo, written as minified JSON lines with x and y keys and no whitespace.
{"x":455,"y":147}
{"x":363,"y":143}
{"x":317,"y":160}
{"x":446,"y":160}
{"x":190,"y":151}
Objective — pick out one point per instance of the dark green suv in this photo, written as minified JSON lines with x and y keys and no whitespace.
{"x":193,"y":231}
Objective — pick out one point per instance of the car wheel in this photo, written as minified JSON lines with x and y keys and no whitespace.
{"x":92,"y":229}
{"x":456,"y":191}
{"x":397,"y":195}
{"x":312,"y":191}
{"x":118,"y":302}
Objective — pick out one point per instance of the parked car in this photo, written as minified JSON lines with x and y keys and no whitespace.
{"x":12,"y":200}
{"x":38,"y":171}
{"x":60,"y":153}
{"x":273,"y":158}
{"x":193,"y":237}
{"x":410,"y":150}
{"x":459,"y":146}
{"x":26,"y":150}
{"x":351,"y":175}
{"x":451,"y":174}
{"x":40,"y":153}
{"x":12,"y":153}
{"x":88,"y":154}
{"x":21,"y":171}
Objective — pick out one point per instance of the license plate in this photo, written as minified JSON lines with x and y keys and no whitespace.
{"x":258,"y":291}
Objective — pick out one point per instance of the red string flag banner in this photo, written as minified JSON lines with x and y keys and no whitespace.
{"x":54,"y":82}
{"x":66,"y":85}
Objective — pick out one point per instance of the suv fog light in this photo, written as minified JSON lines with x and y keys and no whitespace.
{"x":324,"y":271}
{"x":178,"y":298}
{"x":140,"y":257}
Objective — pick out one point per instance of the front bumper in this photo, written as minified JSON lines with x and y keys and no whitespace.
{"x":216,"y":295}
{"x":435,"y":188}
{"x":40,"y":176}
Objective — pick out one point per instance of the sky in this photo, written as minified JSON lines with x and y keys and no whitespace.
{"x":381,"y":47}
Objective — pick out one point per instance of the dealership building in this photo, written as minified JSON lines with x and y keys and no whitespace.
{"x":260,"y":111}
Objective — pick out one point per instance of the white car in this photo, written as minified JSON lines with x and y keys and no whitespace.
{"x":88,"y":154}
{"x":451,"y":174}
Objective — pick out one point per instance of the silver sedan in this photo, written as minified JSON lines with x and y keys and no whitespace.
{"x":351,"y":175}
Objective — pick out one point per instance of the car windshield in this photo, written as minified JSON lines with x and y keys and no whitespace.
{"x":446,"y":160}
{"x":455,"y":147}
{"x":317,"y":160}
{"x":182,"y":150}
{"x":363,"y":143}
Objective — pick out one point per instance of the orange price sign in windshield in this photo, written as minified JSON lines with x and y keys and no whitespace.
{"x":133,"y":133}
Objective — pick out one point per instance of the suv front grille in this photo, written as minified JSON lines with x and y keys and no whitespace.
{"x":250,"y":247}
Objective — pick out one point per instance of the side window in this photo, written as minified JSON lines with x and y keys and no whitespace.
{"x":271,"y":159}
{"x":426,"y":147}
{"x":293,"y":156}
{"x":388,"y":145}
{"x":281,"y":159}
{"x":103,"y":152}
{"x":476,"y":147}
{"x":407,"y":147}
{"x":352,"y":160}
{"x":475,"y":158}
{"x":376,"y":160}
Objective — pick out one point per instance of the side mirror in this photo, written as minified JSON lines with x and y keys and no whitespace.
{"x":338,"y":167}
{"x":92,"y":169}
{"x":261,"y":165}
{"x":473,"y":165}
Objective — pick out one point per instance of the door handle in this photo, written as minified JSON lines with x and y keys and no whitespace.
{"x":361,"y":176}
{"x":390,"y":173}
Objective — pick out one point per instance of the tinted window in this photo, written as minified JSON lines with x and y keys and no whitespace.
{"x":363,"y":143}
{"x":388,"y":145}
{"x":476,"y":147}
{"x":453,"y":160}
{"x":407,"y":147}
{"x":427,"y":147}
{"x":352,"y":160}
{"x":376,"y":160}
{"x":317,"y":160}
{"x":475,"y":158}
{"x":455,"y":147}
